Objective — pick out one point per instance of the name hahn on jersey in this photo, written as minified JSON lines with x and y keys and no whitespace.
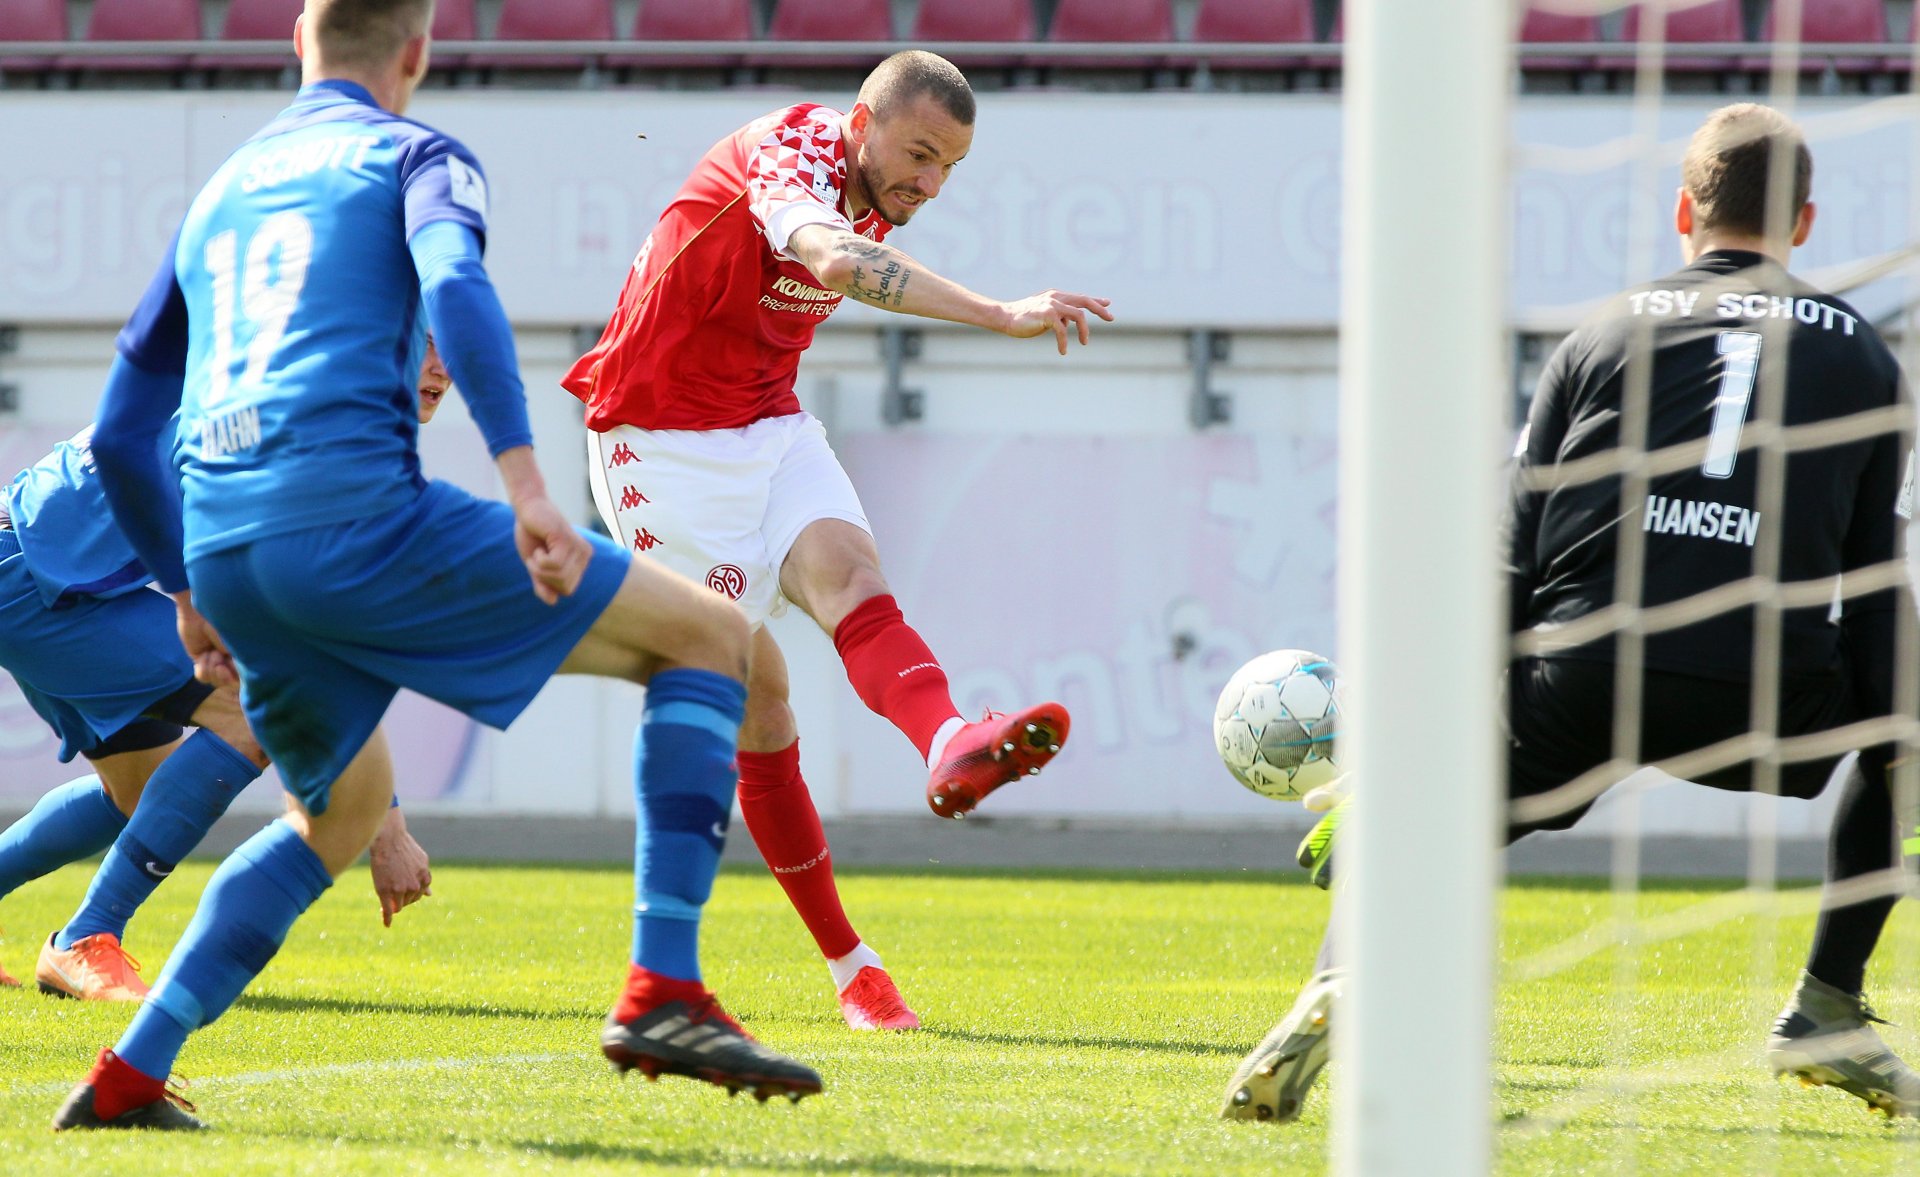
{"x":1721,"y":521}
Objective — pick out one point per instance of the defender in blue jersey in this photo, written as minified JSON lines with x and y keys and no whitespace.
{"x":95,"y":652}
{"x":311,"y":559}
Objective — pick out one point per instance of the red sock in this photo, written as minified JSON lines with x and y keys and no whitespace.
{"x":786,"y":827}
{"x":118,"y":1088}
{"x":893,"y":672}
{"x":646,"y":989}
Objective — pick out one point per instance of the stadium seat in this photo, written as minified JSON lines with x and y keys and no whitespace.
{"x":975,"y":20}
{"x":1545,"y":26}
{"x":257,"y":20}
{"x":1715,"y":21}
{"x":832,"y":20}
{"x":1143,"y":21}
{"x":1831,"y":22}
{"x":690,"y":20}
{"x":1277,"y":22}
{"x":829,"y":20}
{"x":31,"y":20}
{"x":140,"y":20}
{"x":453,"y":20}
{"x":1283,"y":22}
{"x":549,"y":20}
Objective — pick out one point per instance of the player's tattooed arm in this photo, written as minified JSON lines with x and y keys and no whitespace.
{"x":883,"y":285}
{"x":880,"y":275}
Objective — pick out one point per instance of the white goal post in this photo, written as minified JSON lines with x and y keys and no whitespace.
{"x":1424,"y":398}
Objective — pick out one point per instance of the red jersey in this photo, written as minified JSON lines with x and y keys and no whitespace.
{"x":715,"y":311}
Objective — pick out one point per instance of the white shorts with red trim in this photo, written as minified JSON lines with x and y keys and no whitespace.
{"x":722,"y":506}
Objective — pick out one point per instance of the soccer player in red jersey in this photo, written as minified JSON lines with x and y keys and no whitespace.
{"x":706,"y":462}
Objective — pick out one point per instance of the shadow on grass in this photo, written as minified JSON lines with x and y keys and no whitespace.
{"x":279,"y":1003}
{"x":586,"y":1150}
{"x":1157,"y":1046}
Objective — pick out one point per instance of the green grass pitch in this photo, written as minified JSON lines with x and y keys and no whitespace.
{"x":1077,"y":1024}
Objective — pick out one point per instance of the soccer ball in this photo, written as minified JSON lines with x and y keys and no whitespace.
{"x":1276,"y":723}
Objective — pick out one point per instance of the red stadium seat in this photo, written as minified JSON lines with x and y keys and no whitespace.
{"x":1144,"y":21}
{"x":1283,"y":22}
{"x":690,"y":20}
{"x":549,"y":20}
{"x":1831,"y":22}
{"x":140,"y":20}
{"x":1277,"y":22}
{"x":453,"y":20}
{"x":1699,"y":23}
{"x":975,"y":20}
{"x":832,"y":20}
{"x":258,"y":20}
{"x":1544,"y":26}
{"x":31,"y":20}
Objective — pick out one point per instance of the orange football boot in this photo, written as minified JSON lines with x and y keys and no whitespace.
{"x":96,"y":968}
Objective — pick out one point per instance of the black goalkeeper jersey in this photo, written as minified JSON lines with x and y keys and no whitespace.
{"x":1717,"y":328}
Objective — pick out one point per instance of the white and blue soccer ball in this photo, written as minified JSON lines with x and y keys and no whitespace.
{"x":1277,"y":723}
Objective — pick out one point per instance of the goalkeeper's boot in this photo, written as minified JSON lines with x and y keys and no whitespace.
{"x":689,"y":1034}
{"x":1315,"y":853}
{"x":871,"y":1001}
{"x":114,"y":1095}
{"x":1272,"y":1082}
{"x":93,"y":968}
{"x":1825,"y":1038}
{"x":997,"y":750}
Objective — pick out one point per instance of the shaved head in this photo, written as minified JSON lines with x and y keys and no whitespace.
{"x":366,"y":34}
{"x":896,"y":82}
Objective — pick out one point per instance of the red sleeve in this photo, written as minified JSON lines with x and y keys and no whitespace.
{"x":795,"y":176}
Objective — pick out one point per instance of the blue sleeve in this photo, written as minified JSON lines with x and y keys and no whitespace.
{"x":471,"y":331}
{"x":143,"y":492}
{"x":440,"y":180}
{"x":155,"y":337}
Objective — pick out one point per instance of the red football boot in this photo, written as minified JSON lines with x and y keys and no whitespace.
{"x":872,"y":1002}
{"x":998,"y":750}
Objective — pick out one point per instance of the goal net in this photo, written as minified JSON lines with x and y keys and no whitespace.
{"x":1670,"y":987}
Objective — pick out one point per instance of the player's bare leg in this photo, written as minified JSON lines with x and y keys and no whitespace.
{"x":780,"y":815}
{"x":197,"y":776}
{"x":833,"y":573}
{"x":115,"y":1094}
{"x":666,"y":1021}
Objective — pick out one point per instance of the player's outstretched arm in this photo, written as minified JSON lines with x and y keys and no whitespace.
{"x":880,"y":275}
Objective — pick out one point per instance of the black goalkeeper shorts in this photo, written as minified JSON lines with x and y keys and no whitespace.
{"x":1560,"y":726}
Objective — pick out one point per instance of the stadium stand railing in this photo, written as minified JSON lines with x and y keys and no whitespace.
{"x":1852,"y":44}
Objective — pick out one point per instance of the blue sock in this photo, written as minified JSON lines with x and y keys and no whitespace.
{"x":251,"y":901}
{"x":685,"y":777}
{"x":70,"y":823}
{"x":183,"y":798}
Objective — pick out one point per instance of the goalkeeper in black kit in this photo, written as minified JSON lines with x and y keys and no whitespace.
{"x":1711,"y":341}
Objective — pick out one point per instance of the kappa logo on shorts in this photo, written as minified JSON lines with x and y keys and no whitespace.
{"x":728,"y":580}
{"x":622,"y":455}
{"x":631,"y":498}
{"x":644,"y":540}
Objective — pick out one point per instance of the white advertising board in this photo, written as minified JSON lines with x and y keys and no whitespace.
{"x":1186,"y":209}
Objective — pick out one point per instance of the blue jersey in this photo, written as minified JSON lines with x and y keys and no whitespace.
{"x":66,"y":531}
{"x":292,"y":308}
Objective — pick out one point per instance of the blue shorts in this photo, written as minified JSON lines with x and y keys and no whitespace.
{"x":328,"y":622}
{"x":92,"y":667}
